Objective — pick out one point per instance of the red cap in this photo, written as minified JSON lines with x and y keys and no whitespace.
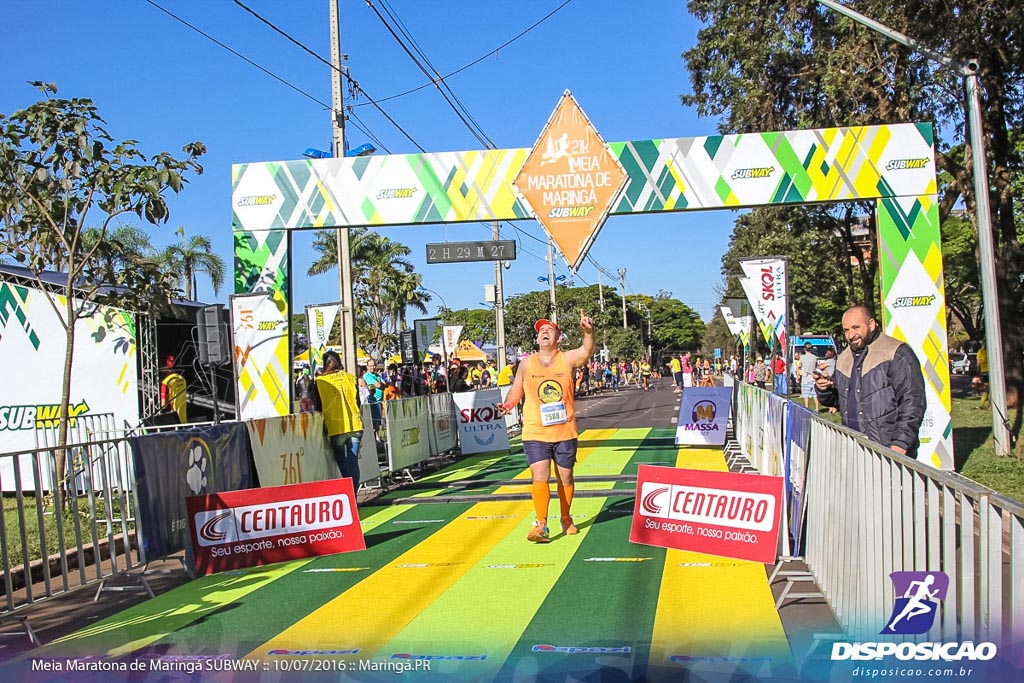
{"x":544,"y":321}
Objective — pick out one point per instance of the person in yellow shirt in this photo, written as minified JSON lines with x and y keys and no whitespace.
{"x":337,"y":397}
{"x":506,"y":374}
{"x":549,"y":419}
{"x":174,"y":394}
{"x":677,"y":373}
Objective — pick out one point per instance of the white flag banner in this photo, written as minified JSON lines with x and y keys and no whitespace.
{"x":261,"y":363}
{"x":425,"y":331}
{"x":765,"y":287}
{"x":730,"y":320}
{"x":319,"y":323}
{"x":450,"y":338}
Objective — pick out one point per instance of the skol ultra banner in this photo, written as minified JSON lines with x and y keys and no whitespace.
{"x":481,"y":424}
{"x":718,"y":513}
{"x":33,"y":346}
{"x":290,"y":449}
{"x":703,"y":416}
{"x":766,"y":282}
{"x":267,"y":525}
{"x":319,"y":323}
{"x":261,"y":363}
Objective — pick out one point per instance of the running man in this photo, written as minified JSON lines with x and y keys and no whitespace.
{"x":918,"y":592}
{"x":549,"y":419}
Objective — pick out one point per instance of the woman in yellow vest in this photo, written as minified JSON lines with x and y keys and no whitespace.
{"x":337,"y":398}
{"x":549,"y":419}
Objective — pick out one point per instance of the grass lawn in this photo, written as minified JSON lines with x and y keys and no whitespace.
{"x":974,"y":451}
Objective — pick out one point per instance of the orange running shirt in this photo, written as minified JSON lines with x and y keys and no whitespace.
{"x":549,"y":414}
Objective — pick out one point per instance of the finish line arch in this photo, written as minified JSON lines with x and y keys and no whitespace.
{"x":894,"y":165}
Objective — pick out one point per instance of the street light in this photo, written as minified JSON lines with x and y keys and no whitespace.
{"x":989,"y":296}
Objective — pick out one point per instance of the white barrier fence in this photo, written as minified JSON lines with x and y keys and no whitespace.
{"x":870,"y":511}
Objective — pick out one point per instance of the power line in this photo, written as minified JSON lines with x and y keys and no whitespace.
{"x":359,"y":124}
{"x":239,"y":55}
{"x":481,"y":58}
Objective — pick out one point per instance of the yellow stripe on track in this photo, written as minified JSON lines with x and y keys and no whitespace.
{"x":715,"y":607}
{"x":372,"y":612}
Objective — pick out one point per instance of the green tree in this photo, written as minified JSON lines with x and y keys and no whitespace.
{"x":478,"y":324}
{"x":57,"y":164}
{"x":624,"y":344}
{"x":192,"y":256}
{"x":821,"y":284}
{"x":764,"y":65}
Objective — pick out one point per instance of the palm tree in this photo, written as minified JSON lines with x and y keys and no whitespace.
{"x":191,"y":257}
{"x":384,"y":283}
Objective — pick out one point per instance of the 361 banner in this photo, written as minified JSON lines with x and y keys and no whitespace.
{"x":718,"y":513}
{"x":261,"y":526}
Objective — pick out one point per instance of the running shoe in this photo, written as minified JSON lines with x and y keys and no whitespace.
{"x":538,"y":534}
{"x":568,"y":528}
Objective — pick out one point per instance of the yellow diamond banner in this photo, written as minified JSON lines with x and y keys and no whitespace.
{"x":570,"y":180}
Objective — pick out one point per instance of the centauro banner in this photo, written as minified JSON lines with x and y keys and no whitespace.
{"x":104,"y":377}
{"x":261,"y":363}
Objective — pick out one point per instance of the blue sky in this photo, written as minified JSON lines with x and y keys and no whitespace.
{"x":157,"y":81}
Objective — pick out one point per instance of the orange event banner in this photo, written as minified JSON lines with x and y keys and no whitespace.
{"x":571,"y":180}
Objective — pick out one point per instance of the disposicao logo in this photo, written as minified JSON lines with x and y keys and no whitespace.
{"x":917,"y":602}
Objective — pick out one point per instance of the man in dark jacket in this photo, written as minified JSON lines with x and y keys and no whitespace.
{"x":878,"y":385}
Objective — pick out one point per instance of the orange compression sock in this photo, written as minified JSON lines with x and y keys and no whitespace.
{"x":541,"y":497}
{"x":565,"y":497}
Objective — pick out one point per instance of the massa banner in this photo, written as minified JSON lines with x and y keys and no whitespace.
{"x":703,"y":416}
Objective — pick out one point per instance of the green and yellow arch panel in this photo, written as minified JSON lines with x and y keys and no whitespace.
{"x":892,"y":164}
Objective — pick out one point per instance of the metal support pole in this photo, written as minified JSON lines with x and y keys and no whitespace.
{"x":348,"y":309}
{"x":983,"y":213}
{"x":551,"y":280}
{"x":499,"y":304}
{"x":600,"y":289}
{"x":622,"y":279}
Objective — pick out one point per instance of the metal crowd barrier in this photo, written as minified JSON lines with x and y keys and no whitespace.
{"x":100,"y":525}
{"x":871,"y":511}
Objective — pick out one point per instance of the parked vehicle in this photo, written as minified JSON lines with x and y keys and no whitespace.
{"x":963,"y":364}
{"x":820,"y":344}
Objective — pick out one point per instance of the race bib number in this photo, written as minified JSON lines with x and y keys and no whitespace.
{"x":552,"y":414}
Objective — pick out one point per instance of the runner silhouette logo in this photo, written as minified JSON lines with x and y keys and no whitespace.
{"x":917,"y":601}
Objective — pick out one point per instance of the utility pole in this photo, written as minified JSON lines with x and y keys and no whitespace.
{"x":348,"y":328}
{"x":968,"y":69}
{"x":622,"y":279}
{"x":551,"y":280}
{"x":499,"y":304}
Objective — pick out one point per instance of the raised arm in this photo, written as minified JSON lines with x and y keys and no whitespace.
{"x":580,"y":355}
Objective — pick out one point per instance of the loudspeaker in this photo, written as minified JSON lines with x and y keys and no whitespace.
{"x":212,"y":331}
